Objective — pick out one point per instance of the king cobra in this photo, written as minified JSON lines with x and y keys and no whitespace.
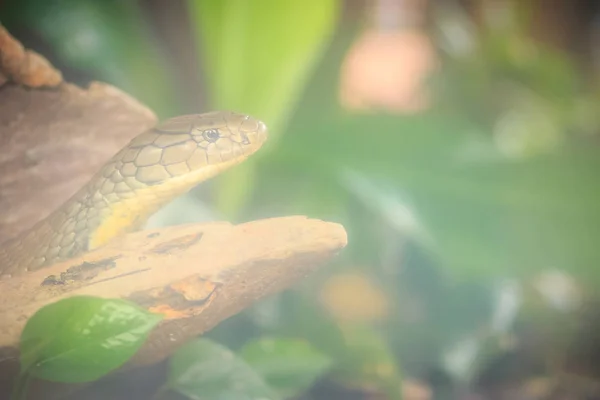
{"x":154,"y":168}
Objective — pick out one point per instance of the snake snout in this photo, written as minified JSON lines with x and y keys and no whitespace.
{"x":262,"y":132}
{"x":241,"y":136}
{"x":253,"y":132}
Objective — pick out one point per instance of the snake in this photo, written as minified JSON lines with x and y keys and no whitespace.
{"x":155,"y":167}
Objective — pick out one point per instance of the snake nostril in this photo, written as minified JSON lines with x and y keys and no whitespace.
{"x":245,"y":139}
{"x":249,"y":125}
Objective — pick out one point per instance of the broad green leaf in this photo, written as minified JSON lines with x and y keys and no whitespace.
{"x":257,"y":55}
{"x":81,"y":338}
{"x":290,"y":366}
{"x":203,"y":369}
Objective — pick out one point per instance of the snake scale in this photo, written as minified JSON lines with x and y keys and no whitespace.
{"x":154,"y":168}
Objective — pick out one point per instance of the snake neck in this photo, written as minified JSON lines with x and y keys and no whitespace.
{"x":128,"y":210}
{"x":101,"y":211}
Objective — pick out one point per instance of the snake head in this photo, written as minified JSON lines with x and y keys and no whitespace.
{"x":194,"y":147}
{"x":224,"y":136}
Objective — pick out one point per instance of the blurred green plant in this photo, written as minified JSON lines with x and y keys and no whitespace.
{"x":289,"y":366}
{"x":359,"y":353}
{"x":258,"y":56}
{"x":204,"y":369}
{"x":267,"y":368}
{"x":496,"y":180}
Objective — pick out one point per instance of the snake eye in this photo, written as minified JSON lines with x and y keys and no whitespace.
{"x":211,"y":135}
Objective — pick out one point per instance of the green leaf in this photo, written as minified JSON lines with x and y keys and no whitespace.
{"x":81,"y":338}
{"x":203,"y":369}
{"x":290,"y":366}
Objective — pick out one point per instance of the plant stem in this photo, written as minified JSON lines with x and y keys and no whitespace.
{"x":20,"y":387}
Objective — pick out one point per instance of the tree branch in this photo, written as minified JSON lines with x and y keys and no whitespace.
{"x":196,"y":275}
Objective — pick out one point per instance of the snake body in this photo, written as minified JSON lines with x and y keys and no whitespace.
{"x":154,"y":168}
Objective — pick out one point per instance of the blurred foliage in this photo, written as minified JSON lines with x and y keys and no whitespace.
{"x":496,"y":181}
{"x":257,"y":70}
{"x":289,"y":366}
{"x":204,"y":369}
